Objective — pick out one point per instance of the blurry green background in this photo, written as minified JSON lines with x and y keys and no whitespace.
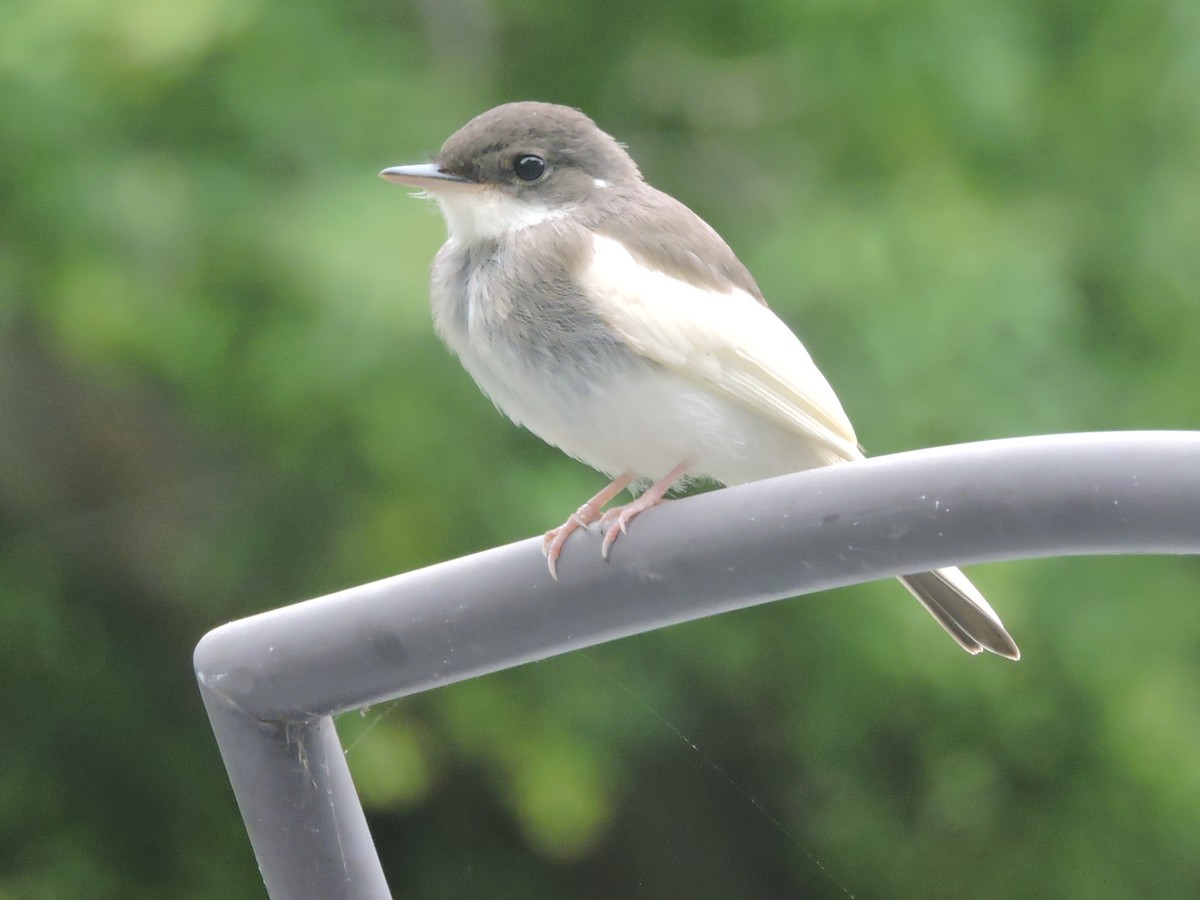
{"x":220,"y":393}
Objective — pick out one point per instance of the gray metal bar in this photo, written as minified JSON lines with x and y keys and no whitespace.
{"x":271,"y":681}
{"x":301,"y":810}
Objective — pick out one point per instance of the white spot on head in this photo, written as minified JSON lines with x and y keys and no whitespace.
{"x":600,"y":182}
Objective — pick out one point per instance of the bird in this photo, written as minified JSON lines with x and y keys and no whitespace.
{"x":610,"y":320}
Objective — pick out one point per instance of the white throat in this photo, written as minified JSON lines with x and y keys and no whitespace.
{"x":489,"y":214}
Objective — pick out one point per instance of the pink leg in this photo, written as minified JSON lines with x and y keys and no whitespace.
{"x":618,"y":518}
{"x":552,"y":543}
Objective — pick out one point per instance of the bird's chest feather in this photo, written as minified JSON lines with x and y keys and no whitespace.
{"x":513,"y":311}
{"x":517,"y":318}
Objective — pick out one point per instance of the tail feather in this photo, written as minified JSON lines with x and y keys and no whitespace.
{"x":961,"y":610}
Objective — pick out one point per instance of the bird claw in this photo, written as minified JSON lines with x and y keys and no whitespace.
{"x":610,"y":538}
{"x":554,"y":540}
{"x":552,"y":544}
{"x":614,"y":522}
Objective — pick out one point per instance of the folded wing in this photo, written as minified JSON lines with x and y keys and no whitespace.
{"x":727,"y":339}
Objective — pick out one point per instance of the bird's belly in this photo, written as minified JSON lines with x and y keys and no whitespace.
{"x":640,"y":417}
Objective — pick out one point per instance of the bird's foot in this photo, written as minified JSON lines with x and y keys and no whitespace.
{"x":612,"y":523}
{"x":583,"y":517}
{"x":616,"y":521}
{"x":555,"y":538}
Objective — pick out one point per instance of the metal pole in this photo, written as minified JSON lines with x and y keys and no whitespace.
{"x":271,"y":682}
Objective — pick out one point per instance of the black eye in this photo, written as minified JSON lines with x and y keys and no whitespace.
{"x":529,"y":167}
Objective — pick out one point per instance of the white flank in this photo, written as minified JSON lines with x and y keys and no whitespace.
{"x":725,"y":339}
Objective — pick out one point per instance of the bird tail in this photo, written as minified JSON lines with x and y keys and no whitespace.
{"x":961,"y":610}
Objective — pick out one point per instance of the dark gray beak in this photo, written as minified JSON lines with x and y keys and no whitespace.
{"x":426,"y":176}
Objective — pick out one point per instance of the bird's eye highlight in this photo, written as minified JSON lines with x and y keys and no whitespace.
{"x":529,"y":167}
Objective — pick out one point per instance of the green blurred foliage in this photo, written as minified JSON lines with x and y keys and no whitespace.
{"x":220,"y":392}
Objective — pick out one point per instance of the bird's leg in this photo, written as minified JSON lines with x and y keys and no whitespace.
{"x":552,"y":543}
{"x":616,"y":520}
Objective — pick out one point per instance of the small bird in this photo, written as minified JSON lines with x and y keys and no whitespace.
{"x":614,"y":323}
